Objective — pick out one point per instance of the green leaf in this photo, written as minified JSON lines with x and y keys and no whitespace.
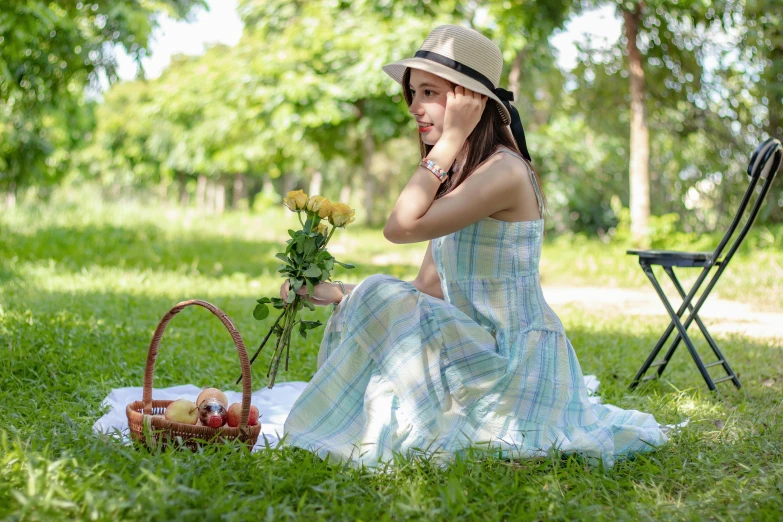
{"x":325,"y":274}
{"x":313,"y":271}
{"x":292,"y":233}
{"x":263,"y":300}
{"x":311,"y":324}
{"x":297,"y":284}
{"x":291,"y":297}
{"x":310,"y":288}
{"x":344,"y":265}
{"x":282,"y":257}
{"x":260,"y":312}
{"x":309,"y":247}
{"x":309,"y":305}
{"x":300,"y":243}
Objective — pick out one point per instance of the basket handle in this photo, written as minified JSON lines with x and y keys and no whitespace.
{"x":152,"y":354}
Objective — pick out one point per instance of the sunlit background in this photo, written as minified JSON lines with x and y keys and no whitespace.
{"x":228,"y":105}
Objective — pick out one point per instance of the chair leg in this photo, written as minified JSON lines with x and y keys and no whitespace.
{"x":721,"y":359}
{"x":661,"y":341}
{"x":669,"y":329}
{"x":682,"y":333}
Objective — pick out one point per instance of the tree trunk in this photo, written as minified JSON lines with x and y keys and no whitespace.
{"x":209,"y":203}
{"x":315,"y":183}
{"x":239,"y":191}
{"x":184,"y":196}
{"x":10,"y":196}
{"x":220,"y":195}
{"x":163,"y":192}
{"x":345,"y":194}
{"x":201,"y":192}
{"x":515,"y":74}
{"x":640,"y":139}
{"x":288,"y":182}
{"x":368,"y":150}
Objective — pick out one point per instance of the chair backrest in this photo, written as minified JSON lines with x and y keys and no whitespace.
{"x":763,"y":165}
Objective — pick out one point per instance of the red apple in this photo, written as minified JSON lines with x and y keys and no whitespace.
{"x":235,"y":413}
{"x":210,"y":393}
{"x":182,"y":410}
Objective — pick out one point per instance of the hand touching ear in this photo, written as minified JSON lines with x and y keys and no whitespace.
{"x":463,"y":111}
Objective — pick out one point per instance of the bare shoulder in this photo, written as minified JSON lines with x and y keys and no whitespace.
{"x":510,"y":172}
{"x":511,"y":180}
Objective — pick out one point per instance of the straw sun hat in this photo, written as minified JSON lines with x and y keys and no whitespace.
{"x":468,"y":58}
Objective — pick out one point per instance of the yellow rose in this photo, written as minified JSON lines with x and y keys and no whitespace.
{"x":319,"y":205}
{"x":322,"y":229}
{"x":341,"y":215}
{"x":326,"y":209}
{"x":296,"y":200}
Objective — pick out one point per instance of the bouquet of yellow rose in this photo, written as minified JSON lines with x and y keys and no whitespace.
{"x":306,"y":262}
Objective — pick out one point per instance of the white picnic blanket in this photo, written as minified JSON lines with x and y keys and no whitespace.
{"x":273,"y":405}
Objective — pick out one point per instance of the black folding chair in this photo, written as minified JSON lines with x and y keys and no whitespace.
{"x":763,"y":165}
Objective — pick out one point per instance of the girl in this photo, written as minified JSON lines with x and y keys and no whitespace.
{"x":469,"y":353}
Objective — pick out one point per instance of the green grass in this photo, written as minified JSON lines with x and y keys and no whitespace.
{"x":82,"y":288}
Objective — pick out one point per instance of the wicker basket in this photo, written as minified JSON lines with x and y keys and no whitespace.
{"x":145,"y":420}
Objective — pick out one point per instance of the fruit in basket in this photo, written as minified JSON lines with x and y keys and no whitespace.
{"x":182,"y":410}
{"x":235,"y":413}
{"x":212,"y":413}
{"x":210,"y":393}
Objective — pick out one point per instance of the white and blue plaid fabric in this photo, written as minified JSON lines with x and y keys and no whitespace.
{"x":490,"y":366}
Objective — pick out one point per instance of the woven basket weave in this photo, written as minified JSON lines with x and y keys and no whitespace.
{"x":145,"y":420}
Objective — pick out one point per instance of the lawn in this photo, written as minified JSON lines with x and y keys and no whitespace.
{"x":82,"y":287}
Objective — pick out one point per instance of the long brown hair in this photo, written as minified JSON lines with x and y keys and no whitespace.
{"x":482,"y":142}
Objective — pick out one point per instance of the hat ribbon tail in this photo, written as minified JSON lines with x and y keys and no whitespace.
{"x":516,"y":122}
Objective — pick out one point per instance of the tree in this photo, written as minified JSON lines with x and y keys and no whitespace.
{"x":50,"y":52}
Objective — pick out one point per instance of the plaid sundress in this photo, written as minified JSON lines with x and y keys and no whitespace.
{"x":490,"y":366}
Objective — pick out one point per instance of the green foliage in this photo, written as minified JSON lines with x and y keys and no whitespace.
{"x":303,"y":93}
{"x":50,"y":52}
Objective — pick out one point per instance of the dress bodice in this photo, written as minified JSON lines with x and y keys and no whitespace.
{"x":489,"y":270}
{"x":490,"y":249}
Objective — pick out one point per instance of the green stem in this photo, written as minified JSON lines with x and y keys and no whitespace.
{"x":277,"y":345}
{"x":299,"y":215}
{"x":263,"y":343}
{"x":286,"y":339}
{"x":331,"y":233}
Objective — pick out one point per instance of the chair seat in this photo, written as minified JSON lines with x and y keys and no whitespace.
{"x":672,"y":257}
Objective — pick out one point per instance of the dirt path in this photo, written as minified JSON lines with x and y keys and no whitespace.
{"x":719,"y":315}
